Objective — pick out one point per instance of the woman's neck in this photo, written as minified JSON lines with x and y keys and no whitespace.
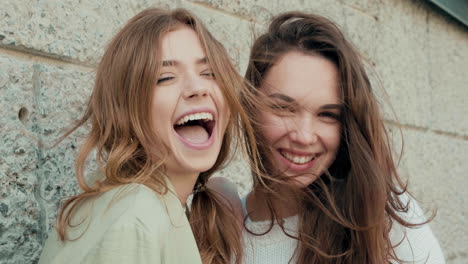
{"x":286,"y":205}
{"x":183,"y":184}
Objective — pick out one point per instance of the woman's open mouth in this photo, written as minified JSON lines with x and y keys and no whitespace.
{"x":297,"y":161}
{"x":196,"y":129}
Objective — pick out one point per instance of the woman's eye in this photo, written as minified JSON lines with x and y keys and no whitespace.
{"x":165,"y":79}
{"x":283,"y":108}
{"x":330,"y":115}
{"x":209,"y":74}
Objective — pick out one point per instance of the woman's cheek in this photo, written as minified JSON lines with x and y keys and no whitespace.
{"x":332,"y":136}
{"x":272,"y":126}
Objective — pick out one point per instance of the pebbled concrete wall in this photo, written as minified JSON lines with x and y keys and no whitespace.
{"x":48,"y":50}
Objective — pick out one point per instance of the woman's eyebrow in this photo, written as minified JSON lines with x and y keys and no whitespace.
{"x":332,"y":106}
{"x":282,"y":97}
{"x":203,"y":60}
{"x":168,"y":63}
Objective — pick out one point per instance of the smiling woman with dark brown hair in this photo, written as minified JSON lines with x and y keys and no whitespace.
{"x":329,"y":191}
{"x":163,"y":112}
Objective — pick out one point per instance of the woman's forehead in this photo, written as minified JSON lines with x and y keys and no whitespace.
{"x":303,"y":78}
{"x":182,"y":44}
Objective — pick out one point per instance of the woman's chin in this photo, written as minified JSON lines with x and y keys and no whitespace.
{"x":203,"y":168}
{"x":197,"y":165}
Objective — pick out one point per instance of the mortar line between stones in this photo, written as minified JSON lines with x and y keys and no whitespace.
{"x":425,"y":129}
{"x":207,"y":6}
{"x":360,"y":10}
{"x":38,"y":56}
{"x":42,"y":221}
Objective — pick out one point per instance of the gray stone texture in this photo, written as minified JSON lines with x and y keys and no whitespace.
{"x":417,"y":57}
{"x":448,"y":55}
{"x":62,"y":94}
{"x":226,"y":29}
{"x":70,"y":30}
{"x":39,"y":101}
{"x":20,"y":227}
{"x":400,"y":46}
{"x":261,"y":11}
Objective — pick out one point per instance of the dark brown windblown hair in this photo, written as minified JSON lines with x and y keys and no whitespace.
{"x":346,"y":214}
{"x":123,"y":138}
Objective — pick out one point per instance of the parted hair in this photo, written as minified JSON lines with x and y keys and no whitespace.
{"x":128,"y":150}
{"x":346,"y":214}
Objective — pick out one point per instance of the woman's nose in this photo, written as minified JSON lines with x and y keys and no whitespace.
{"x":304,"y":131}
{"x":194,"y":87}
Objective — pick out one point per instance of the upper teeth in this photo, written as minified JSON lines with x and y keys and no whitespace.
{"x":297,"y":159}
{"x":196,"y":116}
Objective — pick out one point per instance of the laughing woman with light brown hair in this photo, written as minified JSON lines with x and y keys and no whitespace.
{"x":163,"y":112}
{"x":329,"y":191}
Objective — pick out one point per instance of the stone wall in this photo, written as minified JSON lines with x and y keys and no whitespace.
{"x":48,"y":50}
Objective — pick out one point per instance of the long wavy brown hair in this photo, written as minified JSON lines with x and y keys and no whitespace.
{"x":123,"y":138}
{"x":346,"y":214}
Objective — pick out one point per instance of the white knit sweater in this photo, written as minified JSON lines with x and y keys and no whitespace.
{"x":419,"y":245}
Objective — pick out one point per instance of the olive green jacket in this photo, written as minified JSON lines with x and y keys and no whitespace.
{"x":128,"y":224}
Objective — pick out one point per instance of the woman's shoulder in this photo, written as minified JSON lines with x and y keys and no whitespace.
{"x":418,"y":243}
{"x":135,"y":195}
{"x":128,"y":219}
{"x":131,"y":202}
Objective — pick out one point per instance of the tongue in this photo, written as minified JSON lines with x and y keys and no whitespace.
{"x":193,"y":134}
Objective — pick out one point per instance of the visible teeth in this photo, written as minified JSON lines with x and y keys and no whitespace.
{"x":196,"y":116}
{"x":297,"y":159}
